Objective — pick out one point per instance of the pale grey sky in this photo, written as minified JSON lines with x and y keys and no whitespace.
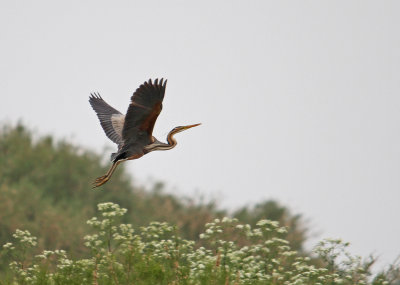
{"x":299,"y":100}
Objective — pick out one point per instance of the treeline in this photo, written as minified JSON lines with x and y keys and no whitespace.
{"x":45,"y":187}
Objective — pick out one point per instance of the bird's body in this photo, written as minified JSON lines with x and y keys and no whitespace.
{"x":133,"y":132}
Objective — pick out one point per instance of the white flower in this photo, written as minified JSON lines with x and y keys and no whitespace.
{"x":8,"y":245}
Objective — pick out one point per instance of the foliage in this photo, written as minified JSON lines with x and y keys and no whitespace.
{"x":296,"y":233}
{"x":45,"y":187}
{"x":157,"y":254}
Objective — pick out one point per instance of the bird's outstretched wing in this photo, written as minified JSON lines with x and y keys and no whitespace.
{"x":111,"y":120}
{"x":146,"y":105}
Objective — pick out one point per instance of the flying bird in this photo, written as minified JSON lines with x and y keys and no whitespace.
{"x":133,"y":132}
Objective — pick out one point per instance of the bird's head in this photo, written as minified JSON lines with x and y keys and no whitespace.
{"x":182,"y":128}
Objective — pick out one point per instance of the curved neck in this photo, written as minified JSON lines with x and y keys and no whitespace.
{"x":157,"y":145}
{"x":171,"y":140}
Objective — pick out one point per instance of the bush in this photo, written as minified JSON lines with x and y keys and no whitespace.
{"x":231,"y":253}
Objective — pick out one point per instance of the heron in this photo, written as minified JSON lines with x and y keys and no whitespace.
{"x":133,"y":132}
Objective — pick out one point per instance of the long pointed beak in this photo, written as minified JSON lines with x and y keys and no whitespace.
{"x":191,"y":126}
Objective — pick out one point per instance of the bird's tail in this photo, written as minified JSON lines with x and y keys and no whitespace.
{"x":113,"y":156}
{"x":121,"y":155}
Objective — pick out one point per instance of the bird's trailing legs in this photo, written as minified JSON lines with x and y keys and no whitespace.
{"x":103,"y":179}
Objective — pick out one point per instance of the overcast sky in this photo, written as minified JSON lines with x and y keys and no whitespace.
{"x":299,"y":101}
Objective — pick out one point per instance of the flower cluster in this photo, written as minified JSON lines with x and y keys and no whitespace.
{"x":228,"y":253}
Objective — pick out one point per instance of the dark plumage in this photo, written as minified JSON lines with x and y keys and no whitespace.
{"x":104,"y":113}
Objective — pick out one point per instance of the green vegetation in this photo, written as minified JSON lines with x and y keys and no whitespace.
{"x":45,"y":192}
{"x":156,"y":254}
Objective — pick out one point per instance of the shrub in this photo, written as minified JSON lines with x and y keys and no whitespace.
{"x":230,"y":253}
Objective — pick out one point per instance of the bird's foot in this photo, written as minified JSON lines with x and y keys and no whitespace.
{"x":100,"y":181}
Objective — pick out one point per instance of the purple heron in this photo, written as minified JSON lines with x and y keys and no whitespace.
{"x":133,"y":132}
